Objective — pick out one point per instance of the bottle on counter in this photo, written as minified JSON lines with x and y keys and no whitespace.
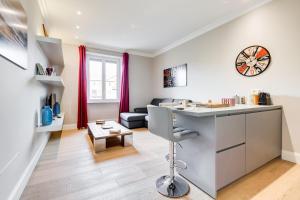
{"x":243,"y":100}
{"x":254,"y":97}
{"x":237,"y":99}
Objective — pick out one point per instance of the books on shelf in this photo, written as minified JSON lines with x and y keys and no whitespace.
{"x":39,"y":69}
{"x":49,"y":71}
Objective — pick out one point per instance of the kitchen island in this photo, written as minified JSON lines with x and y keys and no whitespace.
{"x":233,"y":141}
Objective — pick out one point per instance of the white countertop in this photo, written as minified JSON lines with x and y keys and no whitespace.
{"x":239,"y":108}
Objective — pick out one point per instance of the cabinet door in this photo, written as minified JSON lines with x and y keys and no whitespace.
{"x":230,"y":165}
{"x":263,"y":138}
{"x":230,"y":131}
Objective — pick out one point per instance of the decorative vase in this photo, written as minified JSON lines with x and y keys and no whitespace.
{"x":49,"y":71}
{"x":56,"y":109}
{"x":47,"y":116}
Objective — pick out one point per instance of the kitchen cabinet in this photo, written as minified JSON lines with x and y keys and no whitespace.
{"x":230,"y":131}
{"x":263,"y":138}
{"x":231,"y":143}
{"x":230,"y":165}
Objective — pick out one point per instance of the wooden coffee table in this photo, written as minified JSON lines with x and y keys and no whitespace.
{"x":101,"y":138}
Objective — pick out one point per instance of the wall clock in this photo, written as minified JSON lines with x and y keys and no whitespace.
{"x":253,"y":61}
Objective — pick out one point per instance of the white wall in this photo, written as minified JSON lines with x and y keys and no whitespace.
{"x":70,"y":77}
{"x":139,"y":86}
{"x":20,"y":103}
{"x":211,"y":63}
{"x":140,"y":81}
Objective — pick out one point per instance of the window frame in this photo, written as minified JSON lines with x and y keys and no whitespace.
{"x":104,"y":59}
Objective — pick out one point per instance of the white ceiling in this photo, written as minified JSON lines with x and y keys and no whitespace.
{"x":142,"y":26}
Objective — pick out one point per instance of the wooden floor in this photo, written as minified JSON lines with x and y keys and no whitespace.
{"x":68,"y":169}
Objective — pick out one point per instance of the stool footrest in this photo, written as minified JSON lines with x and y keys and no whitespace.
{"x":181,"y":165}
{"x":178,"y":164}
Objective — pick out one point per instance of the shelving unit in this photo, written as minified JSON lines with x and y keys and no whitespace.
{"x":57,"y":125}
{"x":50,"y":80}
{"x":52,"y":49}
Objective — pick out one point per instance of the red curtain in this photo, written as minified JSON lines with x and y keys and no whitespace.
{"x":124,"y":96}
{"x":82,"y":118}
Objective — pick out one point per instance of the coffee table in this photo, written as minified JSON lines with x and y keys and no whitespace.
{"x":102,"y":139}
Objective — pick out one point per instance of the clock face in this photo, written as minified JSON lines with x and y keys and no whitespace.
{"x":253,"y":61}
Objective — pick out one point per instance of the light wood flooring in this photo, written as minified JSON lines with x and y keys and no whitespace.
{"x":69,"y":170}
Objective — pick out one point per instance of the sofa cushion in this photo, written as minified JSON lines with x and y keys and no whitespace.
{"x":131,"y":117}
{"x":135,"y":124}
{"x":157,"y":101}
{"x":141,"y":110}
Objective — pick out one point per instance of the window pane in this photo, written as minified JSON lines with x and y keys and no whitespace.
{"x":95,"y":89}
{"x":95,"y":70}
{"x":111,"y":80}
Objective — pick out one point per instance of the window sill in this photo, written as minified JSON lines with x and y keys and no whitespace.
{"x":103,"y":101}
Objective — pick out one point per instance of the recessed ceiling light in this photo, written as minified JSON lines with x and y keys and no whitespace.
{"x":77,"y":27}
{"x":78,"y":12}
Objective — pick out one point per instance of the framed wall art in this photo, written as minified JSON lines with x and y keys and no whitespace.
{"x":175,"y":76}
{"x":13,"y":32}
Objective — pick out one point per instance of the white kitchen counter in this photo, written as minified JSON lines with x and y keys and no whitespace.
{"x":239,"y":108}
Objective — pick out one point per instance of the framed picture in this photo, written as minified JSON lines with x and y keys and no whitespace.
{"x":175,"y":76}
{"x":13,"y":32}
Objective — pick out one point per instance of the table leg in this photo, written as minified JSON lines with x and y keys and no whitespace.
{"x":127,"y":140}
{"x":99,"y":145}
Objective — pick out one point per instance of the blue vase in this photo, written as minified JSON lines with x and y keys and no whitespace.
{"x":56,"y":109}
{"x":47,"y":116}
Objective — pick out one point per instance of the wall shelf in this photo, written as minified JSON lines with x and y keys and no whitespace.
{"x":57,"y":125}
{"x":52,"y":48}
{"x":50,"y":80}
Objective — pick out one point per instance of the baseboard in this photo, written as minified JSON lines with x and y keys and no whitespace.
{"x":69,"y":127}
{"x":291,"y":156}
{"x":21,"y":184}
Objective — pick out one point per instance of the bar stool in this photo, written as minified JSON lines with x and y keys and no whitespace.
{"x":161,"y":124}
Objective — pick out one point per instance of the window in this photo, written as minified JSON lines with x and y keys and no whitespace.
{"x":103,"y":78}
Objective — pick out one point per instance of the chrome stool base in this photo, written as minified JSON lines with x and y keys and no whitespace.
{"x":178,"y":188}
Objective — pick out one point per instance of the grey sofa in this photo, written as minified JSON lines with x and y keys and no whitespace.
{"x":139,"y":118}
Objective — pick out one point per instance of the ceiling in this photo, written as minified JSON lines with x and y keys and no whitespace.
{"x":146,"y":27}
